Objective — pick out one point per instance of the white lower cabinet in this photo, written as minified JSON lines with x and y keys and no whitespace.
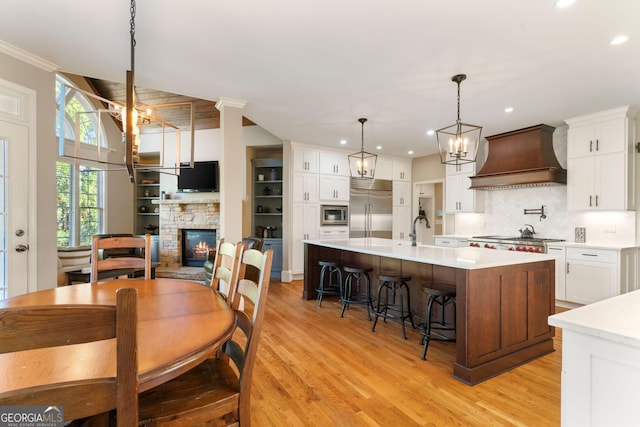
{"x":592,"y":275}
{"x":304,"y":227}
{"x":402,"y":222}
{"x":560,"y":254}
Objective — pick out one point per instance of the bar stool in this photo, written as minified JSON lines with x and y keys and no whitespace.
{"x":394,"y":286}
{"x":329,"y":272}
{"x":353,"y":295}
{"x":443,"y":297}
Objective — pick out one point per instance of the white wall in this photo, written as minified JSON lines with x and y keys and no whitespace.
{"x":44,"y":171}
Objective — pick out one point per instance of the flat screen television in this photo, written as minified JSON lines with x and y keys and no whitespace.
{"x":203,"y":177}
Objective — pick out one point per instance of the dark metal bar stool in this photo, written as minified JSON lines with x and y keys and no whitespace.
{"x":353,"y":294}
{"x":394,"y":287}
{"x":443,"y":297}
{"x":329,"y":273}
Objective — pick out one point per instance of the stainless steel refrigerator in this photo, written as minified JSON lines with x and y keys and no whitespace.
{"x":371,"y":208}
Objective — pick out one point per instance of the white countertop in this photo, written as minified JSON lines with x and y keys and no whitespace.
{"x":589,"y":245}
{"x":465,"y":258}
{"x":615,"y":319}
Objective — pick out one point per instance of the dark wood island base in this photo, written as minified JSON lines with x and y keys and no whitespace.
{"x":502,"y":311}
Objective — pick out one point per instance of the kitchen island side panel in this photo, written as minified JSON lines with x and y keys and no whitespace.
{"x":501,"y":313}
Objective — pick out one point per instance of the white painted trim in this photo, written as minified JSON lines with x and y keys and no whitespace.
{"x":28,"y":57}
{"x":28,"y":118}
{"x":230,"y":102}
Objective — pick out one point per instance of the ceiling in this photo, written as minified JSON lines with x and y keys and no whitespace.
{"x":308,"y":70}
{"x":176,"y":109}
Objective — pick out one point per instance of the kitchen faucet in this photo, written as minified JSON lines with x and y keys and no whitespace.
{"x":421,"y":215}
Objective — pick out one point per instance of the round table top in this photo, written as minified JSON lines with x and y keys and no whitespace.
{"x":180,"y":323}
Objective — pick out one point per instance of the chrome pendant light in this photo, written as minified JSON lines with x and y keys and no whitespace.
{"x":362,"y":164}
{"x":458,"y":143}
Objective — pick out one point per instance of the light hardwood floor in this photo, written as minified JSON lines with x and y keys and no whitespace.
{"x":317,"y":369}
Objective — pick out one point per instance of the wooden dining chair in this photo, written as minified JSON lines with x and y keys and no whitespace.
{"x":225,"y":265}
{"x":125,"y":260}
{"x":31,"y":328}
{"x":219,"y":388}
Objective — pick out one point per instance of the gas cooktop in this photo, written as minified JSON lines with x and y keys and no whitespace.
{"x":511,"y":239}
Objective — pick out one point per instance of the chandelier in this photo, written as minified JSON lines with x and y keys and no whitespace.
{"x":362,"y":165}
{"x":458,"y":143}
{"x":133,"y":118}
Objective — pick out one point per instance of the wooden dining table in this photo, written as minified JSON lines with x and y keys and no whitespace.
{"x":180,"y":323}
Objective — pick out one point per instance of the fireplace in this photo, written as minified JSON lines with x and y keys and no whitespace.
{"x":196,"y":245}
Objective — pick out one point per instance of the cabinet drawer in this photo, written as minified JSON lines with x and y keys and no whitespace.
{"x":449,"y":242}
{"x":595,"y":255}
{"x":334,"y":232}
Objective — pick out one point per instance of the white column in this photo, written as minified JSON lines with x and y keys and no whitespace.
{"x":232,"y":168}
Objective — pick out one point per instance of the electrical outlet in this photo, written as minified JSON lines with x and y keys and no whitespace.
{"x":611,"y":228}
{"x":581,"y":234}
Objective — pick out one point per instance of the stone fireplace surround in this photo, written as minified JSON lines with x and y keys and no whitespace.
{"x":178,"y":214}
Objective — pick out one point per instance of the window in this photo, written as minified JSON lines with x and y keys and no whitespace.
{"x":76,"y":106}
{"x":80,"y":190}
{"x":80,"y":211}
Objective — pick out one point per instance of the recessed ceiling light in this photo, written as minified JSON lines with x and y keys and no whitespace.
{"x":431,"y":132}
{"x":563,"y":3}
{"x":618,"y":40}
{"x":343,"y":142}
{"x":508,"y":110}
{"x":379,"y":147}
{"x":410,"y":152}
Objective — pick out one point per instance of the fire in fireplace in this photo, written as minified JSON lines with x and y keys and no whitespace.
{"x":196,"y":245}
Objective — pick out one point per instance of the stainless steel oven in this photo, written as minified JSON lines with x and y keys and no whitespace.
{"x":334,"y":215}
{"x":507,"y":243}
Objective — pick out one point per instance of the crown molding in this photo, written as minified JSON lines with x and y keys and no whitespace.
{"x":27,"y":57}
{"x":230,"y":102}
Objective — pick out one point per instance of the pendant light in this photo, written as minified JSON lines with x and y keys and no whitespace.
{"x":362,"y":164}
{"x":458,"y":143}
{"x":133,"y":118}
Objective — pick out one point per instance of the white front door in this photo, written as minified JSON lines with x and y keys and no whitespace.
{"x":17,"y":117}
{"x":14,"y":209}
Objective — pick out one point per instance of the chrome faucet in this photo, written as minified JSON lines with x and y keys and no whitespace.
{"x":421,"y":216}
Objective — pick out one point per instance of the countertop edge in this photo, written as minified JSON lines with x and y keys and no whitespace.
{"x":615,"y":319}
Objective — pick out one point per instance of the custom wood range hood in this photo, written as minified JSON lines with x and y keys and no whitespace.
{"x":520,"y":158}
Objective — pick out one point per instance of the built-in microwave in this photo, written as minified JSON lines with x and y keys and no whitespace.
{"x":334,"y":215}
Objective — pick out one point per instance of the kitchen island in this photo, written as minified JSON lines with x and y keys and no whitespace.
{"x":503,"y":298}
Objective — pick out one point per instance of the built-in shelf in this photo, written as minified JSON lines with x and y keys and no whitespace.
{"x":267,"y":196}
{"x":147,"y":192}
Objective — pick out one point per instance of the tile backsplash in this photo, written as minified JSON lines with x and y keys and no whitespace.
{"x":504,"y":216}
{"x":504,"y":212}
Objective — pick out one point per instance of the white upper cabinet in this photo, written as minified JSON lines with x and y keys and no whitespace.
{"x":602,"y":137}
{"x":305,"y":160}
{"x":461,"y":168}
{"x":459,"y":198}
{"x":401,"y":171}
{"x":384,"y":168}
{"x":334,"y":188}
{"x":601,"y":169}
{"x":334,"y":164}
